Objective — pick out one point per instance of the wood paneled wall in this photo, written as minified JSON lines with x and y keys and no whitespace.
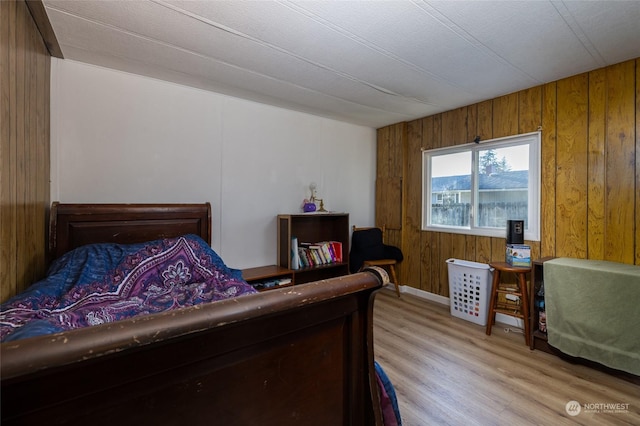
{"x":24,"y":150}
{"x":590,"y":202}
{"x":389,"y":177}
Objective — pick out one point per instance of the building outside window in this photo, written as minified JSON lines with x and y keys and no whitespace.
{"x":475,"y":188}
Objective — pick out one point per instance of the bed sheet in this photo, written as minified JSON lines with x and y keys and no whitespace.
{"x":101,"y":283}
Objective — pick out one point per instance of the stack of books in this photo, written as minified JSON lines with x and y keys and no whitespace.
{"x":271,"y":283}
{"x":320,"y":253}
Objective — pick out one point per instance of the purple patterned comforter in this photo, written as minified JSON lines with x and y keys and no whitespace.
{"x":102,"y":283}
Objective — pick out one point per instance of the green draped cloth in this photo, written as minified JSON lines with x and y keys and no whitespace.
{"x":593,"y":311}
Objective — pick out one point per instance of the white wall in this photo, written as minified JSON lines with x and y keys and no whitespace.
{"x":118,"y":137}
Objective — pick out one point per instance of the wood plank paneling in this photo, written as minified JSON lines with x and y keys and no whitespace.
{"x":382,"y":167}
{"x":24,"y":150}
{"x":530,"y":110}
{"x":21,"y":142}
{"x":571,"y":167}
{"x":433,"y":282}
{"x":390,"y":152}
{"x":409,"y":269}
{"x":637,"y":165}
{"x":439,"y":258}
{"x":434,"y":134}
{"x":472,"y":122}
{"x":389,"y":213}
{"x":7,"y":128}
{"x":426,"y":278}
{"x":459,"y":246}
{"x":530,"y":120}
{"x":548,"y":171}
{"x":596,"y":166}
{"x":590,"y":179}
{"x":483,"y":250}
{"x":382,"y":148}
{"x":454,"y":127}
{"x":470,"y":247}
{"x":485,"y":120}
{"x":505,"y":116}
{"x":43,"y":198}
{"x":498,"y":249}
{"x":389,"y":173}
{"x":430,"y":272}
{"x":620,"y":166}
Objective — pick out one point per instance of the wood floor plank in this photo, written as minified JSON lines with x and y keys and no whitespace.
{"x":447,"y":371}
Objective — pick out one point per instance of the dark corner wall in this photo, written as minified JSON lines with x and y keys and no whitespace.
{"x":24,"y":148}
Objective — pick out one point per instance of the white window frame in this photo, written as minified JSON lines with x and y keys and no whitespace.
{"x":532,"y":232}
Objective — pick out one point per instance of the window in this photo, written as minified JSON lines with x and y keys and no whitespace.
{"x":475,"y":188}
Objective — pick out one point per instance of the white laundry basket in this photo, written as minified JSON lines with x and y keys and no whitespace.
{"x":469,"y":289}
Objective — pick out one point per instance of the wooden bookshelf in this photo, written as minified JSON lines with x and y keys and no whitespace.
{"x":313,"y":228}
{"x":538,"y":339}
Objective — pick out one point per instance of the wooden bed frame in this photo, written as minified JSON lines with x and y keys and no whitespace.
{"x":299,"y":355}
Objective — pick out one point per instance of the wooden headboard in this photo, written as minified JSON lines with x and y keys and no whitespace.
{"x":74,"y":225}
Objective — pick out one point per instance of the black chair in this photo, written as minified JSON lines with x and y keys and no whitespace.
{"x":368,"y":249}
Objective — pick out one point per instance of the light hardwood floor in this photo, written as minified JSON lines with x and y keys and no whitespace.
{"x":447,"y":371}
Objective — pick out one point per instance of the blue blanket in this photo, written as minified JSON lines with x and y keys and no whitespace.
{"x":101,"y":283}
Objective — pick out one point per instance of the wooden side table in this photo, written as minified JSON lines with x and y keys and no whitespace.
{"x":519,"y":310}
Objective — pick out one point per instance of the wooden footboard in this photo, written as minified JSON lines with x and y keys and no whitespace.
{"x":300,"y":355}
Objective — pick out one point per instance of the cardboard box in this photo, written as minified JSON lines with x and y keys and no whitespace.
{"x":519,"y":255}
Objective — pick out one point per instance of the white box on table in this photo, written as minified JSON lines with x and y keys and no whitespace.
{"x":519,"y":255}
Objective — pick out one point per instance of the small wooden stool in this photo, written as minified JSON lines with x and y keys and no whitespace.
{"x":522,"y":310}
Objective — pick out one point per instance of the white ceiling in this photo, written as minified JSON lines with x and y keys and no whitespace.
{"x":372,"y":63}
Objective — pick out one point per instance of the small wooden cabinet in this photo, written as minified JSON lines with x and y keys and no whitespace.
{"x":538,"y":339}
{"x":313,"y":228}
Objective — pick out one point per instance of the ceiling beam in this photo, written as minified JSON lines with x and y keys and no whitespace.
{"x":36,"y":7}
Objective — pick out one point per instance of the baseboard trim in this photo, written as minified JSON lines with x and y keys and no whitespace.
{"x":424,"y":295}
{"x":500,"y":318}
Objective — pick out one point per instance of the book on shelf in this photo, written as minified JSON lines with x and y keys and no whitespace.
{"x":295,"y":260}
{"x":303,"y":256}
{"x":319,"y":253}
{"x":317,"y":256}
{"x":336,"y":246}
{"x":327,"y":253}
{"x":284,"y":281}
{"x":271,"y":283}
{"x":319,"y":249}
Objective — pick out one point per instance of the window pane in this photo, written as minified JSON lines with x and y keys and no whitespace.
{"x":502,"y":186}
{"x":475,"y":188}
{"x":451,"y":189}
